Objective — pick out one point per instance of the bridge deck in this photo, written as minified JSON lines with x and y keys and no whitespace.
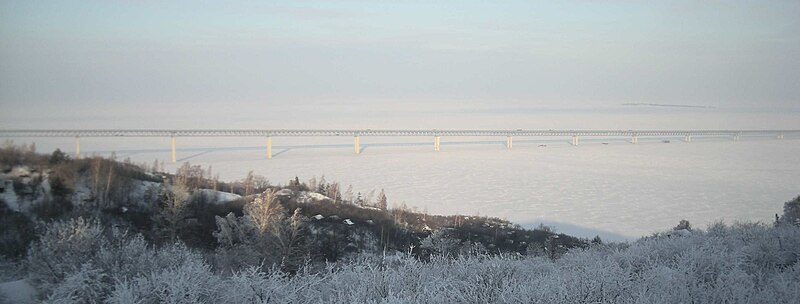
{"x":369,"y":132}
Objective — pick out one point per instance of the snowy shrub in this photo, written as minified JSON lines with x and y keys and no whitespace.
{"x":62,"y":248}
{"x":87,"y":285}
{"x":188,"y":282}
{"x":439,"y":243}
{"x":125,"y":256}
{"x":738,"y":263}
{"x":252,"y":285}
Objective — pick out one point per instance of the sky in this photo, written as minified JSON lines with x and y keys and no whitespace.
{"x":209,"y":60}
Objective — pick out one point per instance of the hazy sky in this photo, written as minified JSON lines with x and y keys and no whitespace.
{"x":123,"y":57}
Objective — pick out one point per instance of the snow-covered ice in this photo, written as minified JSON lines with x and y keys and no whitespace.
{"x":617,"y":190}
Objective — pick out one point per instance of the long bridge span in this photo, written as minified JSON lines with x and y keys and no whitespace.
{"x":358,"y":133}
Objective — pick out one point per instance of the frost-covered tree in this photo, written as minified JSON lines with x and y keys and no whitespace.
{"x":173,"y":210}
{"x":740,"y":263}
{"x":791,"y":212}
{"x":248,"y":183}
{"x":382,"y":203}
{"x":189,"y":280}
{"x":348,"y":195}
{"x":322,"y":186}
{"x":369,"y":198}
{"x":263,"y":214}
{"x":62,"y":248}
{"x":334,"y":192}
{"x":441,"y":244}
{"x":189,"y":175}
{"x":86,"y":285}
{"x":264,"y":233}
{"x":312,"y":183}
{"x":683,"y":225}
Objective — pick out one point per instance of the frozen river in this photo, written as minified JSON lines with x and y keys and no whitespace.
{"x":604,"y":186}
{"x":616,"y":190}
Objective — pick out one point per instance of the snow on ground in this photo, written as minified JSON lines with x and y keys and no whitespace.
{"x":19,"y":291}
{"x":9,"y":196}
{"x":313,"y":196}
{"x":216,"y":196}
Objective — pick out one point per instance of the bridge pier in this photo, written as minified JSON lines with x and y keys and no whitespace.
{"x":736,"y":137}
{"x":687,"y":138}
{"x":173,"y":149}
{"x":77,"y":147}
{"x":509,"y":142}
{"x":780,"y":136}
{"x":357,"y":145}
{"x":437,"y":144}
{"x":635,"y":139}
{"x":269,"y":147}
{"x":575,"y":140}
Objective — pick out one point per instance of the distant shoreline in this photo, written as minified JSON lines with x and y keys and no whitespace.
{"x":666,"y":105}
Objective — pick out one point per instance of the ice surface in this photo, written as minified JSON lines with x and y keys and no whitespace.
{"x":616,"y":190}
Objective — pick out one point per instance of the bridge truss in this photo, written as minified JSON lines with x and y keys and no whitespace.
{"x":357,"y":133}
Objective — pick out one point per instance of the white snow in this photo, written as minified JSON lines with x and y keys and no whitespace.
{"x":19,"y":291}
{"x":20,"y":171}
{"x":316,"y":196}
{"x":348,"y":221}
{"x":218,"y":196}
{"x":318,"y":217}
{"x":284,"y":192}
{"x":9,"y":196}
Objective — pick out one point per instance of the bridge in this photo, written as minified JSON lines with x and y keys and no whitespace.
{"x":575,"y":135}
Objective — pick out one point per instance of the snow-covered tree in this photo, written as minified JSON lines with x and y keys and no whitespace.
{"x":791,"y":212}
{"x":264,"y":232}
{"x":312,"y":183}
{"x":348,"y":195}
{"x":382,"y":203}
{"x":173,"y":210}
{"x":61,"y":249}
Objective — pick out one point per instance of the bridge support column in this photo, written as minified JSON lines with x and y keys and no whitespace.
{"x":687,"y":138}
{"x":575,"y":140}
{"x":437,"y":143}
{"x":780,"y":136}
{"x":173,"y":149}
{"x":509,"y":142}
{"x":635,"y":139}
{"x":269,"y":147}
{"x":77,"y":147}
{"x":736,"y":137}
{"x":357,"y":145}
